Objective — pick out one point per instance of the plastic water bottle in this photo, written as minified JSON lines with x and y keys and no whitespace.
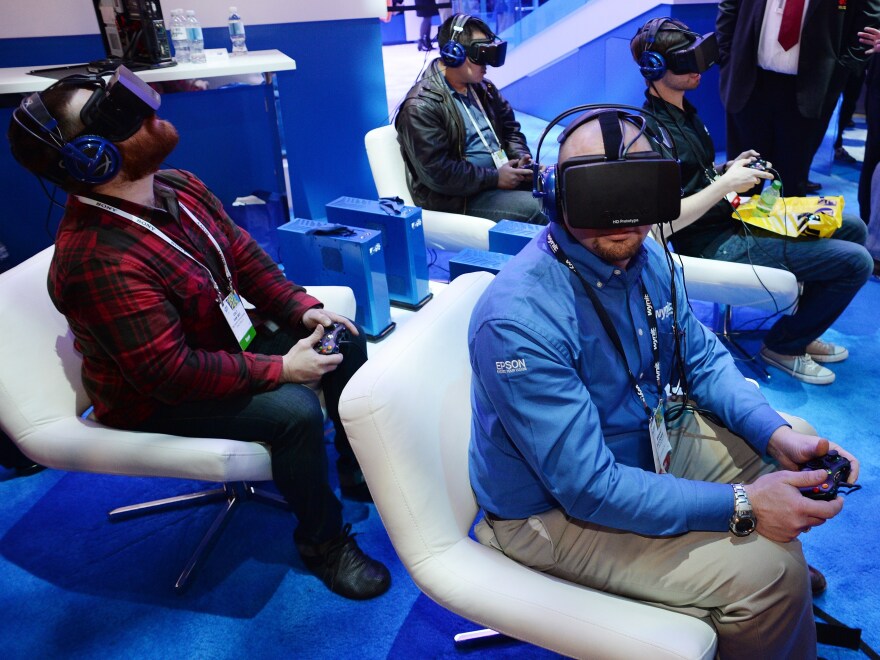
{"x":196,"y":40}
{"x":236,"y":32}
{"x":768,"y":198}
{"x":179,"y":37}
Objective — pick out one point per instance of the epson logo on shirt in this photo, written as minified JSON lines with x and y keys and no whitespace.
{"x":510,"y":366}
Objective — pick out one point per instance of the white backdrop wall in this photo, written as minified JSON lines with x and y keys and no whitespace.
{"x":55,"y":18}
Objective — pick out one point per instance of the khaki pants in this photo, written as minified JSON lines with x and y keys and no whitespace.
{"x":755,"y":592}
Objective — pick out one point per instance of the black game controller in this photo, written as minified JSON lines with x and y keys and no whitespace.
{"x":838,"y":469}
{"x":333,"y":337}
{"x":758,"y":164}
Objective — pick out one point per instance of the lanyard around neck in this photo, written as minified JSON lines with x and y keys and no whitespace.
{"x":608,"y":324}
{"x":474,"y":122}
{"x":158,"y":232}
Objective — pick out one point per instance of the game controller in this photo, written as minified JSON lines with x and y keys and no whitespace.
{"x":333,"y":337}
{"x":758,"y":164}
{"x":838,"y":469}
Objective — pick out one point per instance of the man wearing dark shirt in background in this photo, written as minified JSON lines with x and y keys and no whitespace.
{"x":832,"y":269}
{"x":463,"y":148}
{"x":148,"y":269}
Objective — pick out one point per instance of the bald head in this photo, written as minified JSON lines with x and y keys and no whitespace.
{"x":586,"y":140}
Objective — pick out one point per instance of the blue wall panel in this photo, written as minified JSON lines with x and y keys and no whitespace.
{"x":333,"y":98}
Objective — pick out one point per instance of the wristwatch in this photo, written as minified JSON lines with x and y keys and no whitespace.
{"x":743,"y":521}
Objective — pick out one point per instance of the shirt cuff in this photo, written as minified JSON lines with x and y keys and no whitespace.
{"x":711,"y":506}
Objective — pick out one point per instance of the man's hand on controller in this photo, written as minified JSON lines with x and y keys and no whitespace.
{"x":740,"y":177}
{"x":326,"y":318}
{"x":780,"y":508}
{"x":792,"y":449}
{"x":511,"y":175}
{"x":303,"y":364}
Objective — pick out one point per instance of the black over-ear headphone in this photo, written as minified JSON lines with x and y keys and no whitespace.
{"x":453,"y":53}
{"x":616,"y":188}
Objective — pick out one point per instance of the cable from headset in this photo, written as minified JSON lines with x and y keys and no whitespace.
{"x":422,"y":70}
{"x":52,"y":203}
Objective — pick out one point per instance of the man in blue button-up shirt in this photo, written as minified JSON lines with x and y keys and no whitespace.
{"x":561,"y":456}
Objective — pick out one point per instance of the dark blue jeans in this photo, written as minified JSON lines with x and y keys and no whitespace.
{"x":289,"y":419}
{"x":832,"y":271}
{"x":499,"y":204}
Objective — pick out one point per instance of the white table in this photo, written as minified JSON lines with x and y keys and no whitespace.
{"x":17,"y":80}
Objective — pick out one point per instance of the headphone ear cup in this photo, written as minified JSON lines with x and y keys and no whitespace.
{"x":652,"y":65}
{"x":91,"y":159}
{"x":453,"y":54}
{"x":550,"y":198}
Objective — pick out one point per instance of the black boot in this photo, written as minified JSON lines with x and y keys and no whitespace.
{"x":344,"y":567}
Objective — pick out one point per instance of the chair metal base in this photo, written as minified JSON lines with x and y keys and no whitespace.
{"x":725,"y":313}
{"x":234,"y":493}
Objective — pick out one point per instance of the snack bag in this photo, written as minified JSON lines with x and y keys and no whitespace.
{"x":796,"y":216}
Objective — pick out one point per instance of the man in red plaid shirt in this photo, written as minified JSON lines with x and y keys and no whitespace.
{"x":149,"y":270}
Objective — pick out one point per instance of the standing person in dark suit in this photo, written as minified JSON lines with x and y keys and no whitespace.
{"x":870,"y":38}
{"x":783,"y":67}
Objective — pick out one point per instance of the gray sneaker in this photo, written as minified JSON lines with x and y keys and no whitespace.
{"x":825,"y":351}
{"x":801,"y":367}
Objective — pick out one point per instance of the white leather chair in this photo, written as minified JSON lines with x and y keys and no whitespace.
{"x":447,"y":231}
{"x":42,"y":401}
{"x":407,"y":413}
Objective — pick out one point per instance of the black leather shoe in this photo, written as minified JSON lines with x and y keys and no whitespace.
{"x":818,"y":584}
{"x":344,"y":567}
{"x":812,"y":186}
{"x":841,"y":155}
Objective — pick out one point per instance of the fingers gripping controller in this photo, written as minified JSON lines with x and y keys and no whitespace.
{"x":333,"y":337}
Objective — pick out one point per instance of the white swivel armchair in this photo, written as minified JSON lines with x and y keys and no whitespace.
{"x":407,"y":413}
{"x":42,"y":401}
{"x":447,"y":231}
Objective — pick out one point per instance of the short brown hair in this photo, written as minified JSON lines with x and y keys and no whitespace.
{"x":40,"y":157}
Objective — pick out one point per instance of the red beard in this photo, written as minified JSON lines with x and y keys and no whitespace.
{"x":143,"y":153}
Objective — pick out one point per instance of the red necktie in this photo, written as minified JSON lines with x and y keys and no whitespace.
{"x":790,"y":28}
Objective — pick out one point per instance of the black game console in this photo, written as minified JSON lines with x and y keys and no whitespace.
{"x":838,"y":469}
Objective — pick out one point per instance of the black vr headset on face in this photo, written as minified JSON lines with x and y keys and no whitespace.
{"x":700,"y":53}
{"x":491,"y":50}
{"x":617,"y":188}
{"x":115,"y":111}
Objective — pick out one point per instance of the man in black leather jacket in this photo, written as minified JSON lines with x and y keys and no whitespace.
{"x":462,"y":145}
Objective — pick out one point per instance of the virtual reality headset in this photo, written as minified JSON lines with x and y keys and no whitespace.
{"x":597,"y":193}
{"x":117,"y":109}
{"x":696,"y":57}
{"x":487,"y":51}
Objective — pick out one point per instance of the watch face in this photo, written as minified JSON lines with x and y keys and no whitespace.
{"x":744,"y":525}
